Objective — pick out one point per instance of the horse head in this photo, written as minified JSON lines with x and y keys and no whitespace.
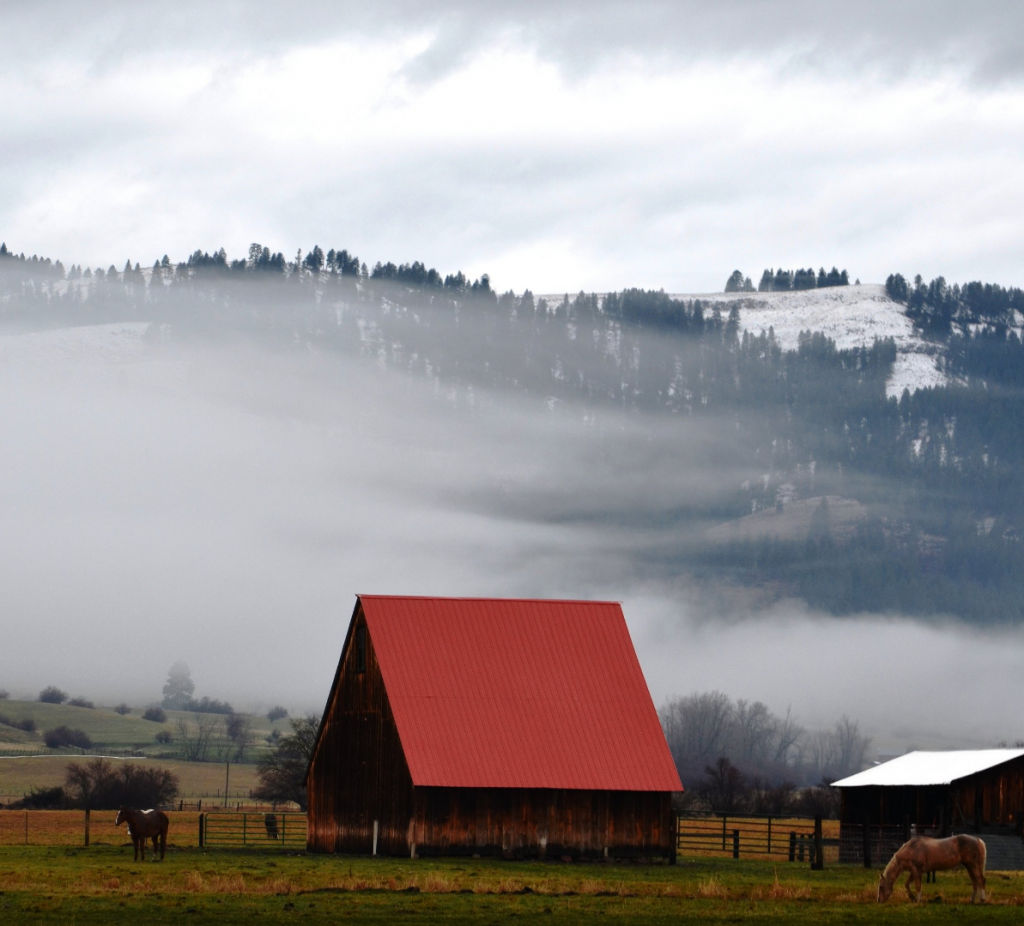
{"x":884,"y":889}
{"x":122,"y":815}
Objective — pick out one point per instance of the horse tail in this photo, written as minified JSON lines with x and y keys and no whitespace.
{"x":983,"y":851}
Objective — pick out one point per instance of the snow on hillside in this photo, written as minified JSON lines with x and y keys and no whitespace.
{"x":91,"y":343}
{"x":853,"y":316}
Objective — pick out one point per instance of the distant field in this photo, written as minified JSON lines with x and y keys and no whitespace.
{"x":102,"y":885}
{"x":198,"y":779}
{"x":107,"y":728}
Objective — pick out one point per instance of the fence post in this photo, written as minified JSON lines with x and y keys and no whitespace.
{"x":801,"y":846}
{"x":906,"y":827}
{"x":735,"y":843}
{"x":792,"y":846}
{"x":202,"y":830}
{"x":375,"y":839}
{"x":244,"y":820}
{"x":87,"y":826}
{"x":26,"y":827}
{"x":867,"y":842}
{"x":724,"y":818}
{"x":769,"y":834}
{"x":818,"y":853}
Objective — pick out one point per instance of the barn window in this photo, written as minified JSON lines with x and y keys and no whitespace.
{"x":361,"y":648}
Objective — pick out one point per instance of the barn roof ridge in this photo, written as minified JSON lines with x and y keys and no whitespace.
{"x":496,"y":598}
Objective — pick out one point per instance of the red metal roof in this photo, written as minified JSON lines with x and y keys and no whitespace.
{"x":511,"y":693}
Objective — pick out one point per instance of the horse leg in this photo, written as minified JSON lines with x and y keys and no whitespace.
{"x":978,"y":884}
{"x":155,"y":846}
{"x":135,"y":845}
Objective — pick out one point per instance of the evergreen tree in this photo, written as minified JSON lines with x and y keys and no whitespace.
{"x":735,"y":282}
{"x":178,"y":689}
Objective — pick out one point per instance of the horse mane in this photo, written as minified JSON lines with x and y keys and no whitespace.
{"x":893,"y":869}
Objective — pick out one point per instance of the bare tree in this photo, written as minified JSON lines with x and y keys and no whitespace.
{"x":851,"y":746}
{"x":282,"y":773}
{"x":753,"y":733}
{"x":723,"y":786}
{"x":821,"y":748}
{"x":239,"y":728}
{"x":199,"y":735}
{"x":788,"y":734}
{"x":697,"y":728}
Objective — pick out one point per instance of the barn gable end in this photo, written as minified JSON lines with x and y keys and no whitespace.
{"x":358,"y":765}
{"x":483,"y":726}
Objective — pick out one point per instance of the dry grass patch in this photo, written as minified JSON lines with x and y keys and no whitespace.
{"x":711,"y":887}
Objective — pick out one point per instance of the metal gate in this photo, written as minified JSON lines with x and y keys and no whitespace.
{"x":253,"y":830}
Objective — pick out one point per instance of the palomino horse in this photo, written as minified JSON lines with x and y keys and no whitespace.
{"x":922,"y":854}
{"x":143,"y":825}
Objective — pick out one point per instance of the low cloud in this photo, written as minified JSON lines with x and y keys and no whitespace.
{"x":225,"y":505}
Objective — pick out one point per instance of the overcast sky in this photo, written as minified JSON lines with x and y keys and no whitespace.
{"x":556,"y":146}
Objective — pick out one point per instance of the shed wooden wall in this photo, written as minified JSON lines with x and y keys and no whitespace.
{"x":359,"y":773}
{"x":520,"y":823}
{"x":998,"y":794}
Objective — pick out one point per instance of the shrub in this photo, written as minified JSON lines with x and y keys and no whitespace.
{"x":82,"y":702}
{"x":42,"y":799}
{"x":122,"y":709}
{"x":277,"y":713}
{"x":163,"y":736}
{"x":101,"y":785}
{"x":209,"y":706}
{"x":53,"y":695}
{"x":65,"y":736}
{"x":156,"y":714}
{"x":28,"y":725}
{"x":4,"y":694}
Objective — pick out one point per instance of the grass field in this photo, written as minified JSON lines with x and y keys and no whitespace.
{"x":111,"y":731}
{"x":102,"y":884}
{"x":105,"y":727}
{"x":197,"y":779}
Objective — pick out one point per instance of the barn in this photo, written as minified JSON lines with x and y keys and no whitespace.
{"x":966,"y":790}
{"x":479,"y":726}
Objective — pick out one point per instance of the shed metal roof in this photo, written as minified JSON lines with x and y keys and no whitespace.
{"x":930,"y":768}
{"x":518,"y":693}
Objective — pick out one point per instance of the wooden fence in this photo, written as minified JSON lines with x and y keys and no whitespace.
{"x":782,"y":838}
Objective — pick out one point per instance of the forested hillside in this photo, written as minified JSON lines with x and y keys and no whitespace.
{"x":916,"y":501}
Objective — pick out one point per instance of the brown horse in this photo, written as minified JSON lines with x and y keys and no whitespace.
{"x":143,"y":825}
{"x":922,"y":854}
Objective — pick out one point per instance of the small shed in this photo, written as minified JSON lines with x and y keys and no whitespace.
{"x":965,"y":789}
{"x":509,"y":727}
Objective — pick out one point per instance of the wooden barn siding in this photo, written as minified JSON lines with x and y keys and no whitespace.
{"x":1001,"y":790}
{"x":541,"y":822}
{"x":359,"y":773}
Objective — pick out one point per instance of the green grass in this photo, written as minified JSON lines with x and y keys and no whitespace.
{"x":103,"y":885}
{"x":107,"y":728}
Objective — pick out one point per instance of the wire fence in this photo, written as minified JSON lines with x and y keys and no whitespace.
{"x":76,"y":828}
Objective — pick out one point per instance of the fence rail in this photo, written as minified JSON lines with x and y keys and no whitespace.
{"x":783,"y":838}
{"x":253,"y":830}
